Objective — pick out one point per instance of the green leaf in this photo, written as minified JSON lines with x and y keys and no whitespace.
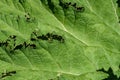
{"x":59,"y":39}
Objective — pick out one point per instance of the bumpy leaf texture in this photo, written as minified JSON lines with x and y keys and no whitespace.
{"x":59,"y":39}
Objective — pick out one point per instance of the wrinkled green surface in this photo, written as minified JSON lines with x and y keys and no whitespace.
{"x":92,"y":39}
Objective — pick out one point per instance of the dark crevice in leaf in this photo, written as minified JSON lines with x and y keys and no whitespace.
{"x":66,"y":5}
{"x":44,"y":2}
{"x":118,"y":2}
{"x":48,"y":37}
{"x":6,"y":74}
{"x":51,"y":5}
{"x":9,"y":46}
{"x":22,"y":2}
{"x":29,"y":18}
{"x":110,"y":73}
{"x":80,"y":9}
{"x":25,"y":45}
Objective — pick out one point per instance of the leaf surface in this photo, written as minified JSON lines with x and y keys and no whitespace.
{"x":83,"y":39}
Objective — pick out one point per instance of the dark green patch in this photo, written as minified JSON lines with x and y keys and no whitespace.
{"x":111,"y":74}
{"x":118,"y":2}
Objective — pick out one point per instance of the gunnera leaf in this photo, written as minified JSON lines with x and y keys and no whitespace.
{"x":59,"y":39}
